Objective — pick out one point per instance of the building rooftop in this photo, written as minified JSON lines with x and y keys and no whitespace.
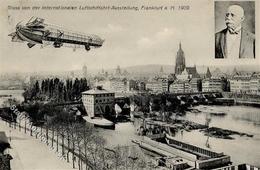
{"x":181,"y":81}
{"x":242,"y":77}
{"x":193,"y":72}
{"x":97,"y":91}
{"x":255,"y":76}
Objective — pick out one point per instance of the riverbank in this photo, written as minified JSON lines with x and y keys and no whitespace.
{"x":243,"y":99}
{"x":247,"y":103}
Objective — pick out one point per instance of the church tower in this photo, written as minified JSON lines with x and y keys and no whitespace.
{"x":180,"y":61}
{"x":118,"y":71}
{"x":208,"y":74}
{"x":85,"y":71}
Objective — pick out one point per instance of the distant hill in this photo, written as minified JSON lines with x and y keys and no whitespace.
{"x":152,"y":69}
{"x":229,"y":69}
{"x":155,"y":68}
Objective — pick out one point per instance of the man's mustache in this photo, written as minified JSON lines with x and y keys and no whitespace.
{"x":229,"y":21}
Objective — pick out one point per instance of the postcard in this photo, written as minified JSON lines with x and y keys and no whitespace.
{"x":117,"y":84}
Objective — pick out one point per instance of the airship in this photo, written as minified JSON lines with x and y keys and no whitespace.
{"x":36,"y":31}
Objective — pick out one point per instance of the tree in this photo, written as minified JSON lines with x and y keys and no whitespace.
{"x":11,"y":102}
{"x":33,"y":109}
{"x":123,"y":157}
{"x":43,"y":86}
{"x":87,"y":133}
{"x":36,"y":89}
{"x":95,"y":149}
{"x":51,"y":88}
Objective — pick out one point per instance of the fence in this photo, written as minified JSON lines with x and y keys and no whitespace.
{"x":63,"y":151}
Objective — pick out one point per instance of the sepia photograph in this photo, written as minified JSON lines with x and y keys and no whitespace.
{"x":237,"y":39}
{"x":129,"y":85}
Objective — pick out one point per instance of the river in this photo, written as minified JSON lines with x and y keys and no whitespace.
{"x":17,"y":94}
{"x":239,"y":118}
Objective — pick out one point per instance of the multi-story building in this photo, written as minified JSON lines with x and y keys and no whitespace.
{"x":154,"y":86}
{"x":180,"y":86}
{"x":212,"y":85}
{"x":113,"y":85}
{"x":131,"y":85}
{"x":240,"y":83}
{"x":106,"y":84}
{"x":255,"y":84}
{"x":141,"y":86}
{"x":186,"y":86}
{"x":195,"y":85}
{"x":165,"y":84}
{"x":118,"y":85}
{"x":245,"y":83}
{"x":159,"y":85}
{"x":124,"y":85}
{"x":98,"y":101}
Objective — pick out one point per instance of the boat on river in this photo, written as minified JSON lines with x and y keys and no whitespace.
{"x":100,"y":122}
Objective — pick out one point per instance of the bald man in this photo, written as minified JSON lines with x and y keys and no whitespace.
{"x":234,"y":41}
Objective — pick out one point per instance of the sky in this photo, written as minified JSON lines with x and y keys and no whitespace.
{"x":131,"y":37}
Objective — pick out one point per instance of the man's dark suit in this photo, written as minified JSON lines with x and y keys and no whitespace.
{"x":247,"y":44}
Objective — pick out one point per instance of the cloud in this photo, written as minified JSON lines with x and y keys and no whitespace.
{"x":108,"y":30}
{"x":159,"y":38}
{"x":164,"y":34}
{"x":145,"y":42}
{"x":114,"y":28}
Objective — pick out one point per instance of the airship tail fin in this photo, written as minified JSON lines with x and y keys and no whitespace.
{"x":15,"y":37}
{"x":30,"y":45}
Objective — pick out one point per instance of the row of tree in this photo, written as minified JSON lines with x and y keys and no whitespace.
{"x":75,"y":139}
{"x":56,"y":90}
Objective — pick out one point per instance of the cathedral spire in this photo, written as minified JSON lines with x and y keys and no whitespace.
{"x":180,"y":45}
{"x":180,"y":61}
{"x":208,"y":74}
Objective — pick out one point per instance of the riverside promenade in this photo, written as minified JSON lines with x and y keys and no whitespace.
{"x":30,"y":154}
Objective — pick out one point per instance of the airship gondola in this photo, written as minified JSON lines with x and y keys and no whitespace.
{"x":36,"y":31}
